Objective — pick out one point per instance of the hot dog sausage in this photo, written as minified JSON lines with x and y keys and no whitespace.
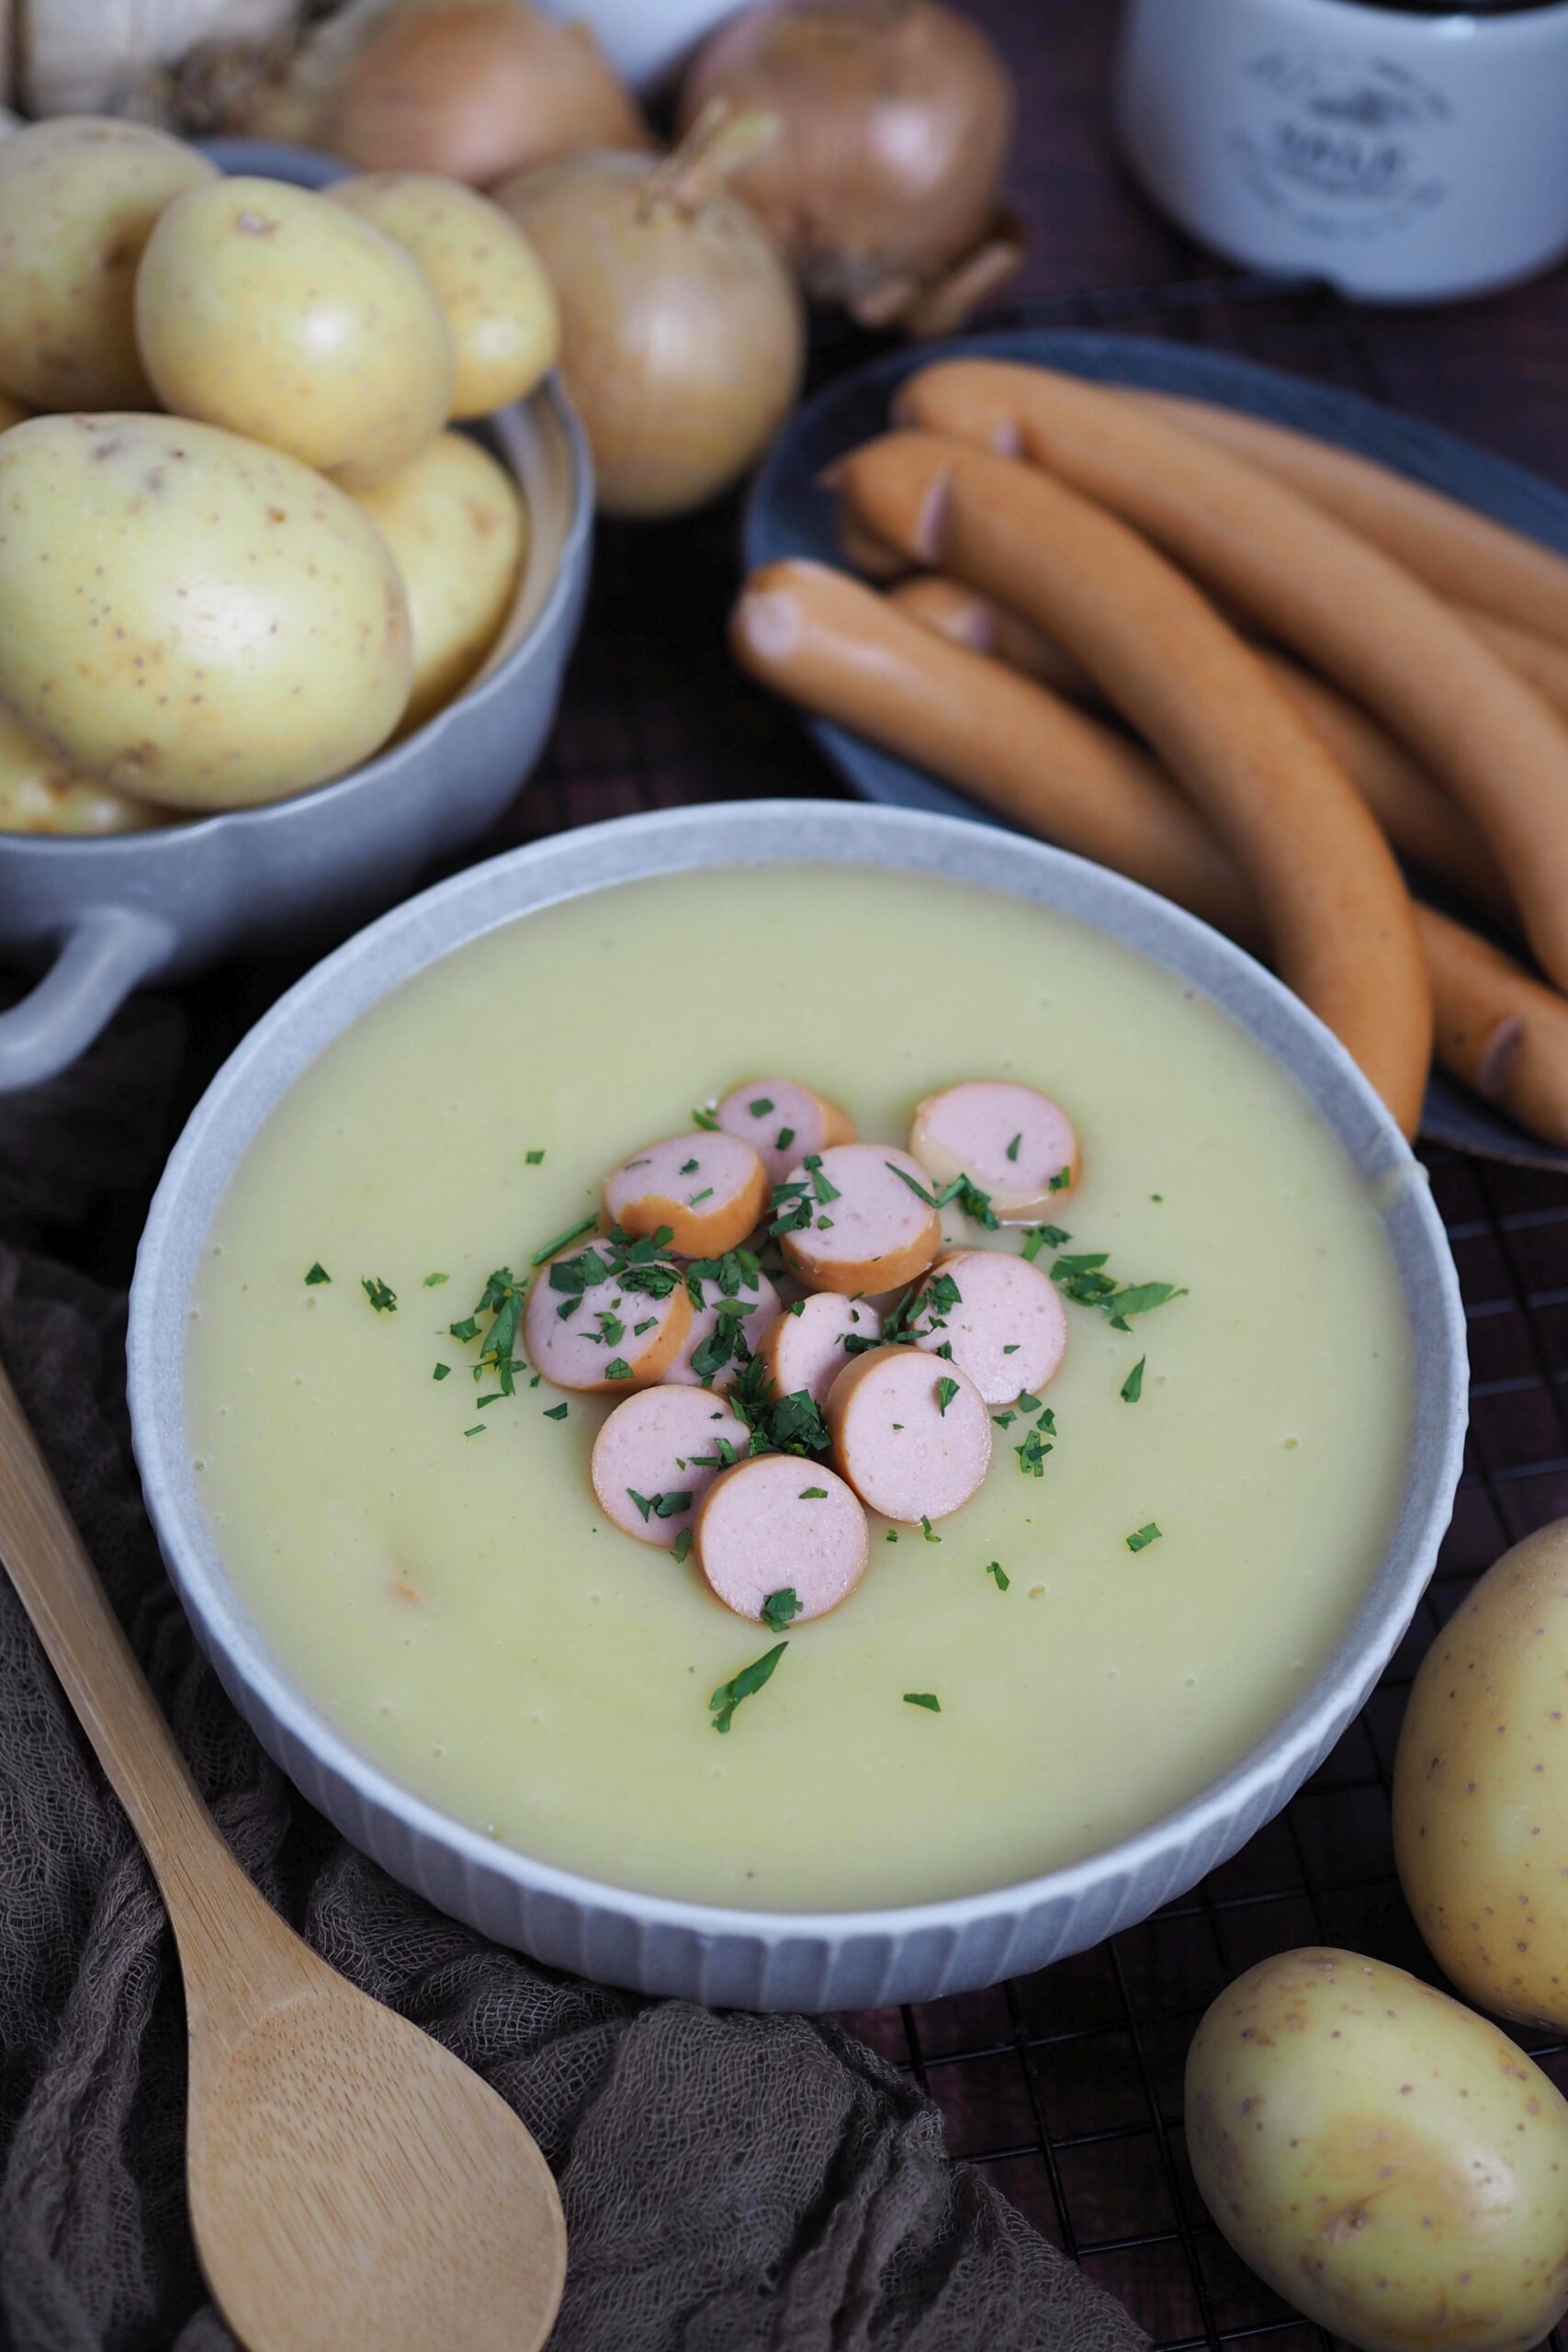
{"x":911,"y":1433}
{"x":582,"y":1328}
{"x":1539,"y":659}
{"x":727,"y":1330}
{"x":707,"y":1190}
{"x":782,"y":1121}
{"x":997,"y":1317}
{"x":1316,"y":586}
{"x":950,"y":609}
{"x":859,"y":1218}
{"x":644,"y":1474}
{"x":1337,"y":908}
{"x":1012,"y":1141}
{"x":1498,"y":1029}
{"x":833,"y":644}
{"x":782,"y":1530}
{"x":804,"y":1347}
{"x":1455,"y":550}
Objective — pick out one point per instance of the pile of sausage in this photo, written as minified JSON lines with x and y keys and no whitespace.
{"x":673,"y":1306}
{"x":1052,"y":549}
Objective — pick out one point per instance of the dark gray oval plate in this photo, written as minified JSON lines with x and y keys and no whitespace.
{"x":790,"y":513}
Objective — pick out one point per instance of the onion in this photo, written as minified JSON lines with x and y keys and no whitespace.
{"x":477,"y":90}
{"x":896,"y":118}
{"x":682,"y":335}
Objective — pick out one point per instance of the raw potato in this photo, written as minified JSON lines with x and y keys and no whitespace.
{"x":194,"y":619}
{"x":1389,"y":2162}
{"x":79,"y":197}
{"x":270,"y":311}
{"x":500,"y":306}
{"x":1481,"y":1787}
{"x":458,"y":531}
{"x":39,"y":793}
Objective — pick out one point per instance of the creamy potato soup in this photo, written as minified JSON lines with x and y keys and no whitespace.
{"x":425,"y":1556}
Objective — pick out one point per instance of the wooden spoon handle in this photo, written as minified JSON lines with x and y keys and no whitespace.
{"x":48,"y":1563}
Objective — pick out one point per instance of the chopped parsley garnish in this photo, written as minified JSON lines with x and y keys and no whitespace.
{"x":1144,"y":1538}
{"x":812,"y":1495}
{"x":1044,"y":1236}
{"x":744,"y":1685}
{"x":784,"y":1139}
{"x":927,"y":1699}
{"x":795,"y":1306}
{"x":534,"y":1159}
{"x":1133,"y":1386}
{"x":761,"y":1108}
{"x":434,"y":1281}
{"x":573,"y":1233}
{"x":612,"y":1330}
{"x":824,"y":1190}
{"x":1012,"y":1147}
{"x":1012,"y":1348}
{"x":999,"y":1574}
{"x":440,"y":1372}
{"x":790,"y":1208}
{"x":478,"y":1430}
{"x":927,"y":1531}
{"x":970,"y":1198}
{"x":681,"y":1545}
{"x":1004,"y":1420}
{"x":555,"y":1412}
{"x":1157,"y":1197}
{"x":1083,"y":1279}
{"x":688,"y":1168}
{"x":646,"y":1325}
{"x":482,"y":1401}
{"x":893,"y":1536}
{"x":779,"y":1607}
{"x":1027,"y":1404}
{"x":672,"y":1505}
{"x":1031,"y":1454}
{"x":706,"y":1194}
{"x":502,"y":1299}
{"x":466,"y":1329}
{"x":318,"y":1274}
{"x":704,"y":1119}
{"x":1047,"y":1423}
{"x":1061,"y":1180}
{"x":617,"y":1369}
{"x":382,"y":1298}
{"x":946,"y":1390}
{"x":913,"y":1182}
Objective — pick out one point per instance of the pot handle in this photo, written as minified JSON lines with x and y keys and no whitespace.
{"x":104,"y":955}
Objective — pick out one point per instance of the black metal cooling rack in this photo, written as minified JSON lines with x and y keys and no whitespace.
{"x":1066,"y":2086}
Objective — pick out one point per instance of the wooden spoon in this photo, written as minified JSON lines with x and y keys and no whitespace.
{"x":351,"y":2182}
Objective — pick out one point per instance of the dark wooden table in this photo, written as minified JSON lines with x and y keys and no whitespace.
{"x":1066,"y":2086}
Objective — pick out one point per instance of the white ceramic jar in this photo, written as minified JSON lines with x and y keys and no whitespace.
{"x":1403,"y":156}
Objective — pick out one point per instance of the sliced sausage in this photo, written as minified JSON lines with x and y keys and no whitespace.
{"x":836,"y":646}
{"x":708,"y":1190}
{"x":1450,"y":545}
{"x":911,"y":1433}
{"x":805,"y":1347}
{"x":776,"y":1528}
{"x":782,"y":1121}
{"x":657,"y":1457}
{"x":1322,"y":589}
{"x":998,"y":1318}
{"x":1339,"y":913}
{"x":859,"y":1217}
{"x":598,"y":1333}
{"x":1015,"y":1143}
{"x":727,"y":1330}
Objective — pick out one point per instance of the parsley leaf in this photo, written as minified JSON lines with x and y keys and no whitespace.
{"x":1133,"y":1386}
{"x":555,"y":1412}
{"x":812,"y":1495}
{"x":681,"y":1545}
{"x":383,"y":1299}
{"x":946,"y":1390}
{"x":927,"y":1699}
{"x":761,"y":1108}
{"x":927,"y":1531}
{"x":1012,"y":1147}
{"x":617,"y":1369}
{"x":995,"y":1570}
{"x":440,"y":1372}
{"x":744,"y":1685}
{"x":1031,"y":1454}
{"x":1145,"y":1536}
{"x":704,"y":1119}
{"x":534,"y":1159}
{"x":434,"y":1281}
{"x":780,"y":1607}
{"x":573,"y":1233}
{"x":318,"y":1274}
{"x":1044,"y":1236}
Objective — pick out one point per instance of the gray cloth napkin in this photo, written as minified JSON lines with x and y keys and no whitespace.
{"x":730,"y":2181}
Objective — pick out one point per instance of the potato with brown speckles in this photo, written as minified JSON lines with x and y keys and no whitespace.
{"x":1390,"y":2162}
{"x":457,"y":528}
{"x":191,"y":618}
{"x":265,"y":308}
{"x":1481,"y":1787}
{"x":39,"y":793}
{"x":79,"y":197}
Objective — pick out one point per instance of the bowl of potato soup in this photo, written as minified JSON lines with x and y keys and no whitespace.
{"x":796,"y":1405}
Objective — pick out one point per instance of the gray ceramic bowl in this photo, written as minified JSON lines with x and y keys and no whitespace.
{"x":101,"y":917}
{"x":756,"y":1959}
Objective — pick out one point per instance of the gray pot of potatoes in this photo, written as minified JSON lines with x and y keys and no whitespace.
{"x":710,"y":1950}
{"x":99,"y":916}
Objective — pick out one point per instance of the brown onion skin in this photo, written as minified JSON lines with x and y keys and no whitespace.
{"x":839,"y":191}
{"x":683,"y":334}
{"x":476,"y":92}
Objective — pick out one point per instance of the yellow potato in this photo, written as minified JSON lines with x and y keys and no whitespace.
{"x":191,"y":618}
{"x":265,"y":309}
{"x":1390,"y":2162}
{"x":1481,"y":1787}
{"x":79,"y":197}
{"x":458,"y":531}
{"x":500,"y":306}
{"x":39,"y":793}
